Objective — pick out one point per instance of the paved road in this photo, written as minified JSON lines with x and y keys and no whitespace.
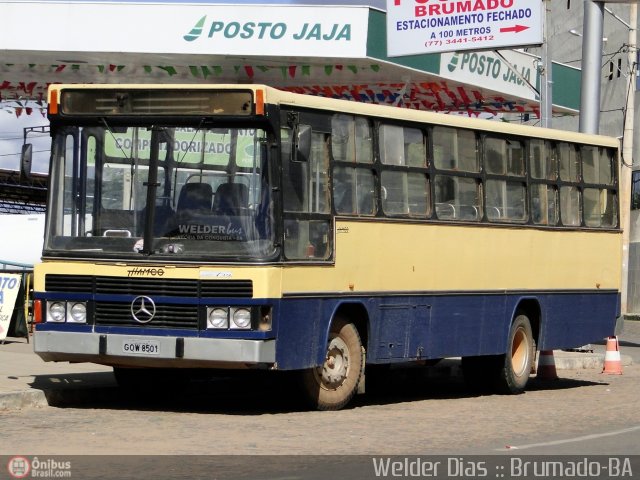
{"x":583,"y":413}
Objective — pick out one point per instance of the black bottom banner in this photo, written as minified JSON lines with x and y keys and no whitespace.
{"x":291,"y":467}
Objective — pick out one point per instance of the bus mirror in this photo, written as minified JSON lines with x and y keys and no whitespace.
{"x":303,"y":143}
{"x":26,"y":157}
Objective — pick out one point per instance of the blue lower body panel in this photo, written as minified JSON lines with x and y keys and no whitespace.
{"x":393,"y":327}
{"x":431,"y":326}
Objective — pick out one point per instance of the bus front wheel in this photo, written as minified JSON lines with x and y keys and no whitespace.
{"x":331,"y":385}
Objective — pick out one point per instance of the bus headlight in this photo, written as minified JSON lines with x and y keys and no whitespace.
{"x":217,"y":318}
{"x":241,"y":318}
{"x":56,"y":312}
{"x":77,"y":312}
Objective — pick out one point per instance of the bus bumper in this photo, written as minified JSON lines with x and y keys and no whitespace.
{"x":153,"y":351}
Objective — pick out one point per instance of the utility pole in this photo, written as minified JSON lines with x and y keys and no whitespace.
{"x":627,"y":156}
{"x":546,"y":100}
{"x":591,"y":66}
{"x":590,"y":111}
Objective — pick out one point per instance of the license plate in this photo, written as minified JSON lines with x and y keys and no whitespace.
{"x":141,"y":347}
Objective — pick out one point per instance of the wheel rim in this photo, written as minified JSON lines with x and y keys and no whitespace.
{"x":520,"y":351}
{"x":335,"y":369}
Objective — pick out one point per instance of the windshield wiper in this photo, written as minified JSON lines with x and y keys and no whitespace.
{"x":188,"y":149}
{"x":113,"y":136}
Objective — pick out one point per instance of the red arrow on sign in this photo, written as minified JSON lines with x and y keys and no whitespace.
{"x":516,"y":29}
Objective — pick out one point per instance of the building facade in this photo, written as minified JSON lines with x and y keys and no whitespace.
{"x":618,"y":80}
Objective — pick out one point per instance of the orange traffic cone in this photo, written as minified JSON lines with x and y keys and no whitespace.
{"x":547,"y":365}
{"x":612,"y":362}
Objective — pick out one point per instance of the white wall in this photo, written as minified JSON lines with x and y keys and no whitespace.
{"x":22,"y":238}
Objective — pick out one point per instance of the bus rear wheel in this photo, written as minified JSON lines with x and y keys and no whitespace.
{"x":332,"y":385}
{"x":517,"y":361}
{"x":508,"y":373}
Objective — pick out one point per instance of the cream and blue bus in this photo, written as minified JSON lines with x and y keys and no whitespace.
{"x":245,"y":227}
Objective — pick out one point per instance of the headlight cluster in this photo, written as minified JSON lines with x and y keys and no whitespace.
{"x":238,"y":318}
{"x":70,"y":312}
{"x":234,"y":318}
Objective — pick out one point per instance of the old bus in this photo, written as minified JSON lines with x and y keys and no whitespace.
{"x":233,"y":226}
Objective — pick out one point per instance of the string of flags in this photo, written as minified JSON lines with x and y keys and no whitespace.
{"x":333,"y":81}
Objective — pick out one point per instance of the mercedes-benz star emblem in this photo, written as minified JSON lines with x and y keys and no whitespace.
{"x":143,"y":309}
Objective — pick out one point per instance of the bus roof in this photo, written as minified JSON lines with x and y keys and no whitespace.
{"x":276,"y":96}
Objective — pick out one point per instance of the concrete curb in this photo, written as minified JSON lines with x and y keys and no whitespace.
{"x":55,"y":397}
{"x":451,"y":368}
{"x":580,"y":360}
{"x":23,"y":399}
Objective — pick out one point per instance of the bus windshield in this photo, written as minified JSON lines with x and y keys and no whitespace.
{"x":131,"y":191}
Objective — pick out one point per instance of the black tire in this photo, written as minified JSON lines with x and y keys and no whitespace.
{"x":516,"y":363}
{"x":508,"y":373}
{"x":332,"y":385}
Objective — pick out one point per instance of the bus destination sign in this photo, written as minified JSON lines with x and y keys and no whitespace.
{"x":428,"y":26}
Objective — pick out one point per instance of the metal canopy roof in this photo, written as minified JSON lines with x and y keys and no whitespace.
{"x":19,"y":195}
{"x":337,"y":51}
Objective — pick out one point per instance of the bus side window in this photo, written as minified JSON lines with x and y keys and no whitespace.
{"x":597,"y":167}
{"x":353,"y":182}
{"x":306,"y":191}
{"x":404,"y":191}
{"x":457,"y":196}
{"x":570,"y":195}
{"x":600,"y":208}
{"x":543,"y":160}
{"x":570,"y":205}
{"x":291,"y":174}
{"x":351,"y":139}
{"x":343,"y":189}
{"x":307,"y":239}
{"x":505,"y":197}
{"x":544,"y":204}
{"x":306,"y":184}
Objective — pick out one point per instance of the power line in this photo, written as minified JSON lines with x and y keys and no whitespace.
{"x":35,"y":135}
{"x":11,"y":154}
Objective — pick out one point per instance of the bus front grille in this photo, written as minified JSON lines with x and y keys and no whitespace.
{"x":166,"y":316}
{"x":68,"y":283}
{"x":146,"y":286}
{"x":167,"y":287}
{"x":226,"y":288}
